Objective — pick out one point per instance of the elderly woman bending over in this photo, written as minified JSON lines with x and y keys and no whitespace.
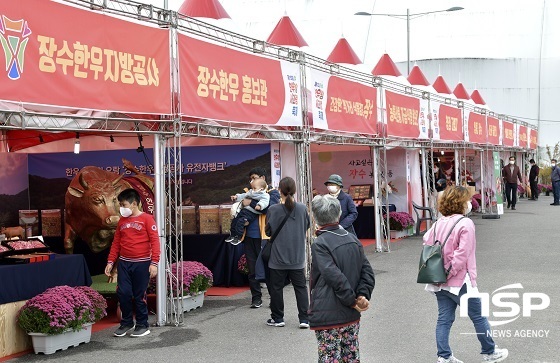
{"x":341,"y":284}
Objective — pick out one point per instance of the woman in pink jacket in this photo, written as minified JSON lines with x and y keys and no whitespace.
{"x":460,"y":260}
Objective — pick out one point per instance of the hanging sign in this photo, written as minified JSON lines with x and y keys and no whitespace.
{"x":449,"y":123}
{"x":508,"y":133}
{"x":533,"y":139}
{"x":402,"y":115}
{"x":523,"y":138}
{"x":476,"y":130}
{"x":224,"y":84}
{"x":341,"y":105}
{"x":494,"y":134}
{"x":91,"y":60}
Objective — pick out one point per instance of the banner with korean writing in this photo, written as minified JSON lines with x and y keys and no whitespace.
{"x":494,"y":134}
{"x":522,"y":137}
{"x":533,"y":139}
{"x":450,"y":122}
{"x":476,"y":130}
{"x":341,"y":105}
{"x":497,"y":179}
{"x":61,"y":55}
{"x":508,"y":133}
{"x":403,"y":116}
{"x":224,"y":84}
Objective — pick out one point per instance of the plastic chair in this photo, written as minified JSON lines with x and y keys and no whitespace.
{"x":419,"y":218}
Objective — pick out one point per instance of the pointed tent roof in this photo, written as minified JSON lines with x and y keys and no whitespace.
{"x":386,"y":67}
{"x":417,"y":78}
{"x":461,"y":92}
{"x":477,"y":98}
{"x":343,"y":53}
{"x":286,"y":33}
{"x":203,"y":9}
{"x":441,"y":86}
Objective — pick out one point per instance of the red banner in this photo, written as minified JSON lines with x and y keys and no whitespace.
{"x":403,"y":114}
{"x":523,"y":137}
{"x":450,"y":123}
{"x":224,"y":84}
{"x":351,"y":107}
{"x":60,"y":55}
{"x":533,"y":139}
{"x":493,"y":125}
{"x":508,"y":136}
{"x":477,"y":128}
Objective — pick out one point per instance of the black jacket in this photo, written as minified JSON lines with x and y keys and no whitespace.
{"x":340,"y":272}
{"x":349,"y":212}
{"x":534,"y":173}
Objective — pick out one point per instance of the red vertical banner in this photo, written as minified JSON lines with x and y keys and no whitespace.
{"x":477,"y":128}
{"x":533,"y":139}
{"x":403,"y":113}
{"x":493,"y":126}
{"x":65,"y":56}
{"x":508,"y":133}
{"x":523,"y":137}
{"x":450,"y":123}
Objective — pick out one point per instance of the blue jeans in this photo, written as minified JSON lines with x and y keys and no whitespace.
{"x":447,"y":304}
{"x":556,"y":191}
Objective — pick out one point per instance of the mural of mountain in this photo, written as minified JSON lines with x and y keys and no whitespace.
{"x":47,"y":193}
{"x":10,"y":206}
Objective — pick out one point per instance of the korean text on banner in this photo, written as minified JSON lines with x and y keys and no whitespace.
{"x":121,"y":66}
{"x":477,"y":128}
{"x":342,"y":105}
{"x":508,"y":133}
{"x":533,"y":139}
{"x":499,"y":185}
{"x":225,"y":84}
{"x":523,"y":138}
{"x":403,"y":114}
{"x":493,"y":131}
{"x":450,"y":123}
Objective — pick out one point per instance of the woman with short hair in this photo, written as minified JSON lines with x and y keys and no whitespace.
{"x":341,"y":284}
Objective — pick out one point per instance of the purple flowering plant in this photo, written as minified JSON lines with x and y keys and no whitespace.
{"x":399,"y":221}
{"x":59,"y":309}
{"x":196,"y":278}
{"x":545,"y":188}
{"x":242,"y":266}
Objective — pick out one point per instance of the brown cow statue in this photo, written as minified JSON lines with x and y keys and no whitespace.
{"x":13,"y":232}
{"x":92,"y":208}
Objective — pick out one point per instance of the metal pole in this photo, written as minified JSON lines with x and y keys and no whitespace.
{"x":161,"y":293}
{"x":482,"y":181}
{"x":407,"y":42}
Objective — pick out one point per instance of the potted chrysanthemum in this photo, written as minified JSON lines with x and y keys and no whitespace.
{"x":400,"y":224}
{"x":61,"y":317}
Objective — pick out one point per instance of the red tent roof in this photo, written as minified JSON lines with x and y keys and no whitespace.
{"x":386,"y":67}
{"x":286,"y":33}
{"x":477,"y":98}
{"x":417,"y":78}
{"x":461,"y":92}
{"x":203,"y":9}
{"x":441,"y":86}
{"x":343,"y":53}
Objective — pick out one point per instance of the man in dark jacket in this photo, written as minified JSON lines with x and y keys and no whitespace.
{"x":341,"y":284}
{"x":534,"y":179}
{"x":349,"y":211}
{"x":510,"y":174}
{"x":555,"y":177}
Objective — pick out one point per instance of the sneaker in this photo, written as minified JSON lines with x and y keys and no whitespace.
{"x":256,"y":304}
{"x":140,"y":331}
{"x":498,"y":356}
{"x":122,"y":330}
{"x":512,"y":207}
{"x":235,"y":241}
{"x":272,"y":322}
{"x":304,"y":324}
{"x":229,"y":239}
{"x":451,"y":359}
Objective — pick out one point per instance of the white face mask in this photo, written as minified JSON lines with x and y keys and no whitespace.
{"x":469,"y":207}
{"x":436,"y":170}
{"x":125,"y":212}
{"x":553,"y":164}
{"x":332,"y":189}
{"x":512,"y":162}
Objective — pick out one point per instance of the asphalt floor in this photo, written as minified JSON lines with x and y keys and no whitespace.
{"x":522,"y":247}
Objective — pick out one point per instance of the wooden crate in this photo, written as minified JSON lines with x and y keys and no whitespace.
{"x":209,"y":217}
{"x":188,"y":219}
{"x":225,"y":218}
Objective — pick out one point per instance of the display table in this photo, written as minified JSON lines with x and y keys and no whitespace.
{"x":364,"y":225}
{"x":24,"y":281}
{"x":219,"y":256}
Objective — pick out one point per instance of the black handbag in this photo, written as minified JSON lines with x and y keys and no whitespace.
{"x":431,"y":269}
{"x":267,"y":249}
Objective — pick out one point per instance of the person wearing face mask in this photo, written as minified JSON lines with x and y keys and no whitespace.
{"x":555,"y":177}
{"x":136,"y":246}
{"x":349,"y":211}
{"x":533,"y":180}
{"x":459,"y":259}
{"x":510,"y":174}
{"x":439,"y":178}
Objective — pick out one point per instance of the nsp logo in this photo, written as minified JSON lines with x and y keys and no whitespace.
{"x":14,"y":36}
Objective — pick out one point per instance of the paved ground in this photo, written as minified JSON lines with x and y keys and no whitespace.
{"x":521,"y":247}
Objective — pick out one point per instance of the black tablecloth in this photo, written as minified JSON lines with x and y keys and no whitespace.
{"x":219,"y":256}
{"x":364,"y":225}
{"x":24,"y":281}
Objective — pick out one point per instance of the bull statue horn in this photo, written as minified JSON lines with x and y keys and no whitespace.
{"x":118,"y":179}
{"x":83,"y":181}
